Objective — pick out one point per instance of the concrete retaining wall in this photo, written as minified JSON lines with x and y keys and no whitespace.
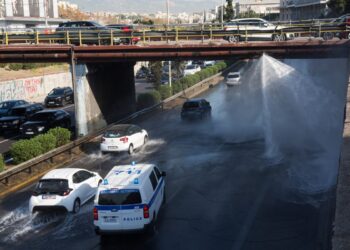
{"x":33,"y":89}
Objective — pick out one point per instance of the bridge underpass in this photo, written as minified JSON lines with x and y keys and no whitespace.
{"x":260,"y":175}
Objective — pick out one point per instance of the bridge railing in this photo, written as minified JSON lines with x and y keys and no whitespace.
{"x":234,"y":33}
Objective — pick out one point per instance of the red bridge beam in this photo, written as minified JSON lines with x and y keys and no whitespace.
{"x":64,"y":53}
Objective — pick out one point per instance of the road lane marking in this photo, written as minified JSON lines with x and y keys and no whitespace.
{"x":9,"y":139}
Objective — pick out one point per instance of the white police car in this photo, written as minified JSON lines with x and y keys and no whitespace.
{"x":66,"y":188}
{"x":129,"y":199}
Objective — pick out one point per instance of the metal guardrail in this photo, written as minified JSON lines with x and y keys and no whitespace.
{"x":185,"y":32}
{"x":28,"y":165}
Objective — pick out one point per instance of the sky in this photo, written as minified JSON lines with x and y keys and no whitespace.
{"x":146,"y":6}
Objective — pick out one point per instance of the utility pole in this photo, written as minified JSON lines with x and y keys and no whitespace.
{"x":222,"y":14}
{"x":45,"y":13}
{"x":169,"y":63}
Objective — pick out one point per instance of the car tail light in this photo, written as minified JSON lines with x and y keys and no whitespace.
{"x":124,"y":139}
{"x":95,"y":213}
{"x":35,"y":193}
{"x":145,"y":212}
{"x":103,"y":139}
{"x":225,"y":28}
{"x":65,"y":193}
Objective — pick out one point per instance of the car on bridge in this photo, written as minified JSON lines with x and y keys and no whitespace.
{"x":59,"y":97}
{"x":338,"y":27}
{"x":7,"y":106}
{"x":43,"y":121}
{"x":18,"y":116}
{"x":129,"y":199}
{"x":85,"y":32}
{"x":123,"y":137}
{"x":195,"y":109}
{"x":128,"y":31}
{"x":64,"y":188}
{"x":255,"y":29}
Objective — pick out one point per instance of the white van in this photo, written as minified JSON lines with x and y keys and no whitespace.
{"x":129,"y":199}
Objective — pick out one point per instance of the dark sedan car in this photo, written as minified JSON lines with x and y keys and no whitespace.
{"x":128,"y":32}
{"x":86,"y":32}
{"x":59,"y":97}
{"x":18,"y":116}
{"x":6,"y":106}
{"x":196,"y":109}
{"x":42,"y":121}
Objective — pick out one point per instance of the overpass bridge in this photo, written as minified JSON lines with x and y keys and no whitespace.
{"x":103,"y":76}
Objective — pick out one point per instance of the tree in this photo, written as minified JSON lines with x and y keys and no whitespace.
{"x":179,"y":67}
{"x":229,"y":13}
{"x":248,"y":14}
{"x":156,"y":70}
{"x":338,"y":7}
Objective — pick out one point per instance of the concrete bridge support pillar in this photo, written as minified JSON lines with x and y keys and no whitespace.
{"x":104,"y":93}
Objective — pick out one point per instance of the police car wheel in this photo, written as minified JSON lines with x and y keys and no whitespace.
{"x":131,"y":149}
{"x":145,"y":140}
{"x":152,"y":226}
{"x":164,"y":198}
{"x":76,"y":206}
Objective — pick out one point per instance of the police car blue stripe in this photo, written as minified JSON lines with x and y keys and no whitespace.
{"x":127,"y":207}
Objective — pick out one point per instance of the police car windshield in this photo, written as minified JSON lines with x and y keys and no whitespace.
{"x":119,"y":197}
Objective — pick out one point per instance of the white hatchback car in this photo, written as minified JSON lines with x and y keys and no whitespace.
{"x":233,"y":78}
{"x":123,"y":137}
{"x":66,"y":188}
{"x":191,"y":69}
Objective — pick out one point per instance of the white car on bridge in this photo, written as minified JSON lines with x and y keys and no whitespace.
{"x":123,"y":137}
{"x":255,"y":29}
{"x":65,"y":188}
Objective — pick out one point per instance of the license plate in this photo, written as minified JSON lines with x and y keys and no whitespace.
{"x":51,"y":102}
{"x":112,"y":147}
{"x":48,"y":196}
{"x":110,"y":219}
{"x":4,"y":126}
{"x":29,"y":133}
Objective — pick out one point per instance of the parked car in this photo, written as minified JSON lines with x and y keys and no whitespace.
{"x":44,"y":120}
{"x":19,"y":115}
{"x":191,"y":69}
{"x":196,"y":109}
{"x":257,"y":29}
{"x":64,"y":188}
{"x":6,"y":106}
{"x":233,"y":78}
{"x":209,"y":63}
{"x":128,"y":30}
{"x":123,"y":137}
{"x":59,"y":97}
{"x":91,"y":33}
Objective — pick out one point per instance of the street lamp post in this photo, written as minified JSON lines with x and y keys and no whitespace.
{"x":168,"y":21}
{"x":222,"y":14}
{"x":45,"y":13}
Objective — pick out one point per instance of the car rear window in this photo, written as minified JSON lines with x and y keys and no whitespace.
{"x":233,"y":76}
{"x":119,"y":197}
{"x":191,"y":105}
{"x":190,"y":67}
{"x":52,"y":186}
{"x":114,"y":133}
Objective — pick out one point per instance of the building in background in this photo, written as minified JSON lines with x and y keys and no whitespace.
{"x":28,"y":13}
{"x":302,"y":9}
{"x":262,"y":7}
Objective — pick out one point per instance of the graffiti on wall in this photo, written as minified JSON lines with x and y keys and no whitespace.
{"x":33,"y":89}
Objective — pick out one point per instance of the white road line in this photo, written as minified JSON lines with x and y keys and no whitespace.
{"x":10,"y":139}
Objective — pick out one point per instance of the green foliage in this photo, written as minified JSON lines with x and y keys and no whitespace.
{"x":16,"y":66}
{"x":177,"y":87}
{"x":24,"y":150}
{"x":249,"y":14}
{"x":149,"y":99}
{"x":156,"y":70}
{"x":229,"y":13}
{"x":338,"y":7}
{"x":47,"y":142}
{"x":2,"y":163}
{"x":26,"y":66}
{"x":165,"y":91}
{"x":62,"y":135}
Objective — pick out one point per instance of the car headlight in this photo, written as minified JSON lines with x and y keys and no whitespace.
{"x":40,"y":129}
{"x":15,"y":122}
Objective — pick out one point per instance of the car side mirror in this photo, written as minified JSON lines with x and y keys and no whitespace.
{"x":265,"y":25}
{"x":163,"y":173}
